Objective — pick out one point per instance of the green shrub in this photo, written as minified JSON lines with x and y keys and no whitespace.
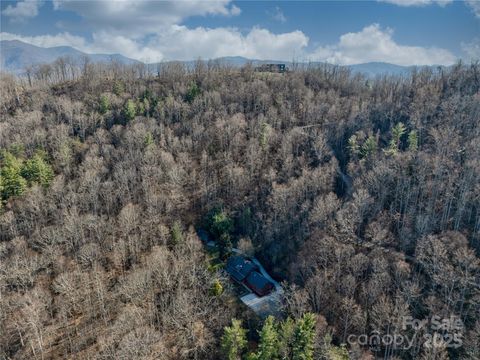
{"x":192,"y":93}
{"x":217,"y":288}
{"x":148,"y":139}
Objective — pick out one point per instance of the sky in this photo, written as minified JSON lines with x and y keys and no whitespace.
{"x":402,"y":32}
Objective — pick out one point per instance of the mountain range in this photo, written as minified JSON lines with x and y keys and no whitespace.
{"x":16,"y":55}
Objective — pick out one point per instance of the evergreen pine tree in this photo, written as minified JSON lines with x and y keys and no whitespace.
{"x":129,"y":110}
{"x":37,"y":170}
{"x":353,"y":146}
{"x":369,"y":147}
{"x":285,"y":334}
{"x":13,"y":183}
{"x":413,"y":141}
{"x":221,"y":225}
{"x":303,"y":338}
{"x":234,"y":340}
{"x":397,"y":132}
{"x":118,"y":88}
{"x":104,"y":105}
{"x":332,"y":352}
{"x":176,"y":234}
{"x":264,"y":135}
{"x":1,"y":192}
{"x":268,"y":346}
{"x":224,"y":244}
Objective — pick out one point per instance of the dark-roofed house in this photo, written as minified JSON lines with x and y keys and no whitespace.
{"x":259,"y":284}
{"x":247,"y":272}
{"x":239,"y":268}
{"x":274,"y":68}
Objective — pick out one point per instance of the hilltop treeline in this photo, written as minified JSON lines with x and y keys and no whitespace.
{"x":362,"y":195}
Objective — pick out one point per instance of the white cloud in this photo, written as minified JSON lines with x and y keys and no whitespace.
{"x":417,"y":2}
{"x":152,"y":31}
{"x":375,"y":44}
{"x":104,"y":42}
{"x":22,"y":10}
{"x":472,"y":49}
{"x":235,"y":10}
{"x":181,"y":43}
{"x":277,"y":14}
{"x":178,"y":42}
{"x":475,"y":6}
{"x":142,"y":17}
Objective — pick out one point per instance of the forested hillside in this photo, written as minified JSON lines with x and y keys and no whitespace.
{"x":361,"y":195}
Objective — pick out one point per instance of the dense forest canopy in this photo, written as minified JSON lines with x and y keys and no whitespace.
{"x":361,"y":195}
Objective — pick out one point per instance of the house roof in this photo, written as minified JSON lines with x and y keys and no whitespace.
{"x":258,"y":283}
{"x":239,"y":268}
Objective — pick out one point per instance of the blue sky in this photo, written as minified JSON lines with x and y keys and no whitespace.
{"x":404,"y":32}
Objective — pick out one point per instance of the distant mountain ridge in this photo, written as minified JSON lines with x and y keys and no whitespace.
{"x":16,"y":55}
